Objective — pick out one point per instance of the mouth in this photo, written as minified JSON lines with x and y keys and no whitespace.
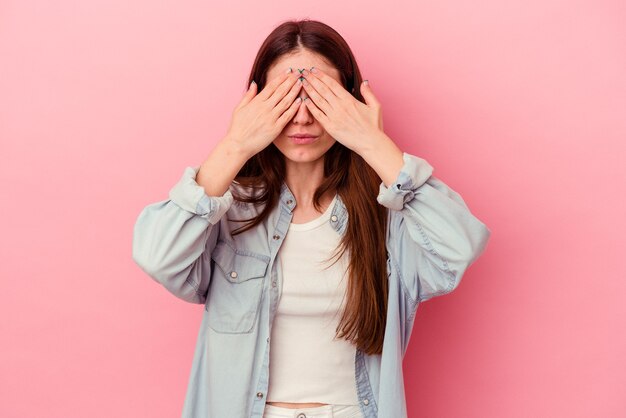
{"x":303,"y":139}
{"x":302,"y":134}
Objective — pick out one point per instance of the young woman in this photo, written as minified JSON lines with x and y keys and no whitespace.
{"x":310,"y":238}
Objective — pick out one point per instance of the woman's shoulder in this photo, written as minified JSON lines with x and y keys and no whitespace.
{"x":243,"y":193}
{"x":245,"y":190}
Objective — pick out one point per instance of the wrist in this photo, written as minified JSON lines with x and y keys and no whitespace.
{"x":235,"y":149}
{"x":373,"y":143}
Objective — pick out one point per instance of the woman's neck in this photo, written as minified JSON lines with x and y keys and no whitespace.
{"x":303,"y":179}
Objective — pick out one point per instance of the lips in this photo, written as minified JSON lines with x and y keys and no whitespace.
{"x":303,"y":139}
{"x":302,"y":136}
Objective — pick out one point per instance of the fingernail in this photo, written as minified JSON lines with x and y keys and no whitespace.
{"x":314,"y":70}
{"x":366,"y":82}
{"x":288,"y":71}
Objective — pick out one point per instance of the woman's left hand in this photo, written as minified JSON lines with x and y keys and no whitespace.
{"x":355,"y":124}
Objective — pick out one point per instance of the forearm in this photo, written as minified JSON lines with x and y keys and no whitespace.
{"x":384,"y":156}
{"x":220,"y":167}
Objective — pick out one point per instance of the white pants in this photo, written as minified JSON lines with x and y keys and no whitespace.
{"x":323,"y":411}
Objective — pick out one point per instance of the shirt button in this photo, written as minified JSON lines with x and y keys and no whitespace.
{"x":274,"y":284}
{"x":289,"y":201}
{"x":233,"y":274}
{"x":365,"y":401}
{"x":259,"y":394}
{"x":276,"y":236}
{"x":333,"y":218}
{"x":301,"y":416}
{"x":268,"y":339}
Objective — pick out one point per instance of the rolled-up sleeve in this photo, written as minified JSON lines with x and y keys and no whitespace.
{"x":433,"y":237}
{"x":173,"y":239}
{"x":413,"y":174}
{"x":190,"y":196}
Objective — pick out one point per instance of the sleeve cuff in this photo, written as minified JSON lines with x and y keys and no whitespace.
{"x":190,"y":196}
{"x":414,"y":173}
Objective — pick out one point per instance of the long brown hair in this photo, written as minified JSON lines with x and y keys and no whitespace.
{"x":346,"y":172}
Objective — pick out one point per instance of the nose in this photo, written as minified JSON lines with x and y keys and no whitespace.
{"x":303,"y":115}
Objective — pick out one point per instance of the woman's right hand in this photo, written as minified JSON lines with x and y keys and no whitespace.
{"x":259,"y":118}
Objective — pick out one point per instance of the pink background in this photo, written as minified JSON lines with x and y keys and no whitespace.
{"x":519,"y":106}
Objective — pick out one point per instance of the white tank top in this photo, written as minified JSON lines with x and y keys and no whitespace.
{"x":307,"y":362}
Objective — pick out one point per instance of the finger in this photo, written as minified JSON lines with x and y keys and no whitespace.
{"x":288,"y":114}
{"x":288,"y":99}
{"x":283,"y":89}
{"x":249,"y":95}
{"x":325,"y":84}
{"x":271,"y":86}
{"x":368,"y":95}
{"x":315,"y":111}
{"x":314,"y":95}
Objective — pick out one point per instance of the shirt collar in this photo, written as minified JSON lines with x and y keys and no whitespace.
{"x":338,"y":216}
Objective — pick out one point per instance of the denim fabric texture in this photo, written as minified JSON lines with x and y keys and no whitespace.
{"x":185,"y":244}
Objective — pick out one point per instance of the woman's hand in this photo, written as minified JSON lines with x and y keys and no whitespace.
{"x":355,"y":124}
{"x":259,"y":118}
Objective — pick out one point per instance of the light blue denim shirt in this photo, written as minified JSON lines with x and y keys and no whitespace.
{"x":185,"y":243}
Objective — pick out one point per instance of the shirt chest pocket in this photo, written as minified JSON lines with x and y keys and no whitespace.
{"x":236,"y":288}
